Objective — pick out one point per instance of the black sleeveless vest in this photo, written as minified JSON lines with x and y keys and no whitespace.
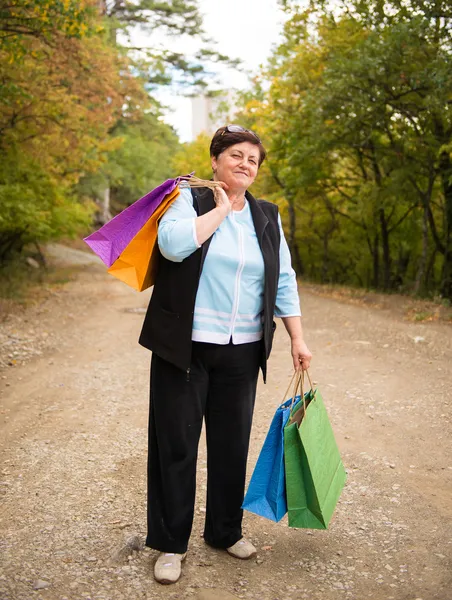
{"x":167,"y":327}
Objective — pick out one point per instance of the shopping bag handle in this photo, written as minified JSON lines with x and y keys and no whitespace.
{"x":297,"y":376}
{"x":309,"y":379}
{"x":288,"y":387}
{"x":296,"y":416}
{"x":298,"y":384}
{"x":194,"y":182}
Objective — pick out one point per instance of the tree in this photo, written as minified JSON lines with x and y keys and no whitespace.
{"x":358,"y":117}
{"x":194,"y":156}
{"x":21,"y":20}
{"x":173,"y":17}
{"x":141,"y":161}
{"x":76,"y":108}
{"x":155,"y":66}
{"x":34,"y":207}
{"x":55,"y":115}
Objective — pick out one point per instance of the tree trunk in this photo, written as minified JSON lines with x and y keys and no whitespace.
{"x":423,"y":262}
{"x":446,"y":283}
{"x":10,"y":243}
{"x":445,"y":173}
{"x":446,"y":178}
{"x":373,"y":279}
{"x":376,"y":250}
{"x":105,"y":214}
{"x":376,"y":262}
{"x":403,"y":261}
{"x":324,"y":274}
{"x":429,"y":270}
{"x":386,"y":250}
{"x":291,"y":241}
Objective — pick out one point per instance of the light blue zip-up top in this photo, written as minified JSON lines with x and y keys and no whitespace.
{"x":230,"y":298}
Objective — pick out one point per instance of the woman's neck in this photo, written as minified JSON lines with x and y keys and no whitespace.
{"x":237,"y":198}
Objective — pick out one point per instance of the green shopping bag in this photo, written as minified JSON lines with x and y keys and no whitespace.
{"x":315,"y":474}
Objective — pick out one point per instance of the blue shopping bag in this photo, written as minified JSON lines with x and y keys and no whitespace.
{"x":266,"y":495}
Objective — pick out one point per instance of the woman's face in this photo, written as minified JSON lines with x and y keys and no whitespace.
{"x":237,"y":166}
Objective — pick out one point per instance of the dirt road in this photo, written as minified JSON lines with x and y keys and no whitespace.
{"x":73,"y":459}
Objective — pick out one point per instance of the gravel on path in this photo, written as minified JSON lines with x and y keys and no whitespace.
{"x":73,"y":459}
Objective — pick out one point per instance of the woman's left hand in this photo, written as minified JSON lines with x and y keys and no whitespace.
{"x":301,"y":355}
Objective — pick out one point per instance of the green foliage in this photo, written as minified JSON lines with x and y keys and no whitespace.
{"x":194,"y":156}
{"x":161,"y":66}
{"x":34,"y":207}
{"x":141,"y":161}
{"x":174,"y":16}
{"x":359,"y":123}
{"x":22,"y":20}
{"x":77,"y":123}
{"x":55,"y":116}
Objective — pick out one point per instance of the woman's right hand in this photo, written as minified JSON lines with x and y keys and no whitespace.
{"x":221,"y":200}
{"x":208,"y":223}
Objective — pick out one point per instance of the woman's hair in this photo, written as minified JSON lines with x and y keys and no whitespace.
{"x":223,"y":138}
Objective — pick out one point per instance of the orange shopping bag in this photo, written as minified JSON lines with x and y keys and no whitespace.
{"x":137,"y":264}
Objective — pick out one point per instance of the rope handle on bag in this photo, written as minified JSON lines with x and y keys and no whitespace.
{"x":298,"y":384}
{"x":191,"y":181}
{"x":288,"y":388}
{"x":303,"y":396}
{"x":299,"y":380}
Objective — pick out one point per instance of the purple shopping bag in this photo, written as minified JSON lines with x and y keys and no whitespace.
{"x":111,"y":239}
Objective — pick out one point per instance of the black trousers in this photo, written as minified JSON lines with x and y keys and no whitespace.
{"x":222,"y":389}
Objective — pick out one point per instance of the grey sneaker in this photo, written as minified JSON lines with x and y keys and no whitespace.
{"x":242,"y":549}
{"x":167,"y":568}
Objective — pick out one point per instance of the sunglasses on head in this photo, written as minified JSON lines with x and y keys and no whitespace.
{"x":239,"y":129}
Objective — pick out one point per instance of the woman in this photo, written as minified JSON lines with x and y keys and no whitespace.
{"x":224,"y":273}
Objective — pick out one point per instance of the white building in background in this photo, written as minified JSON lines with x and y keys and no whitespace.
{"x":209,"y":113}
